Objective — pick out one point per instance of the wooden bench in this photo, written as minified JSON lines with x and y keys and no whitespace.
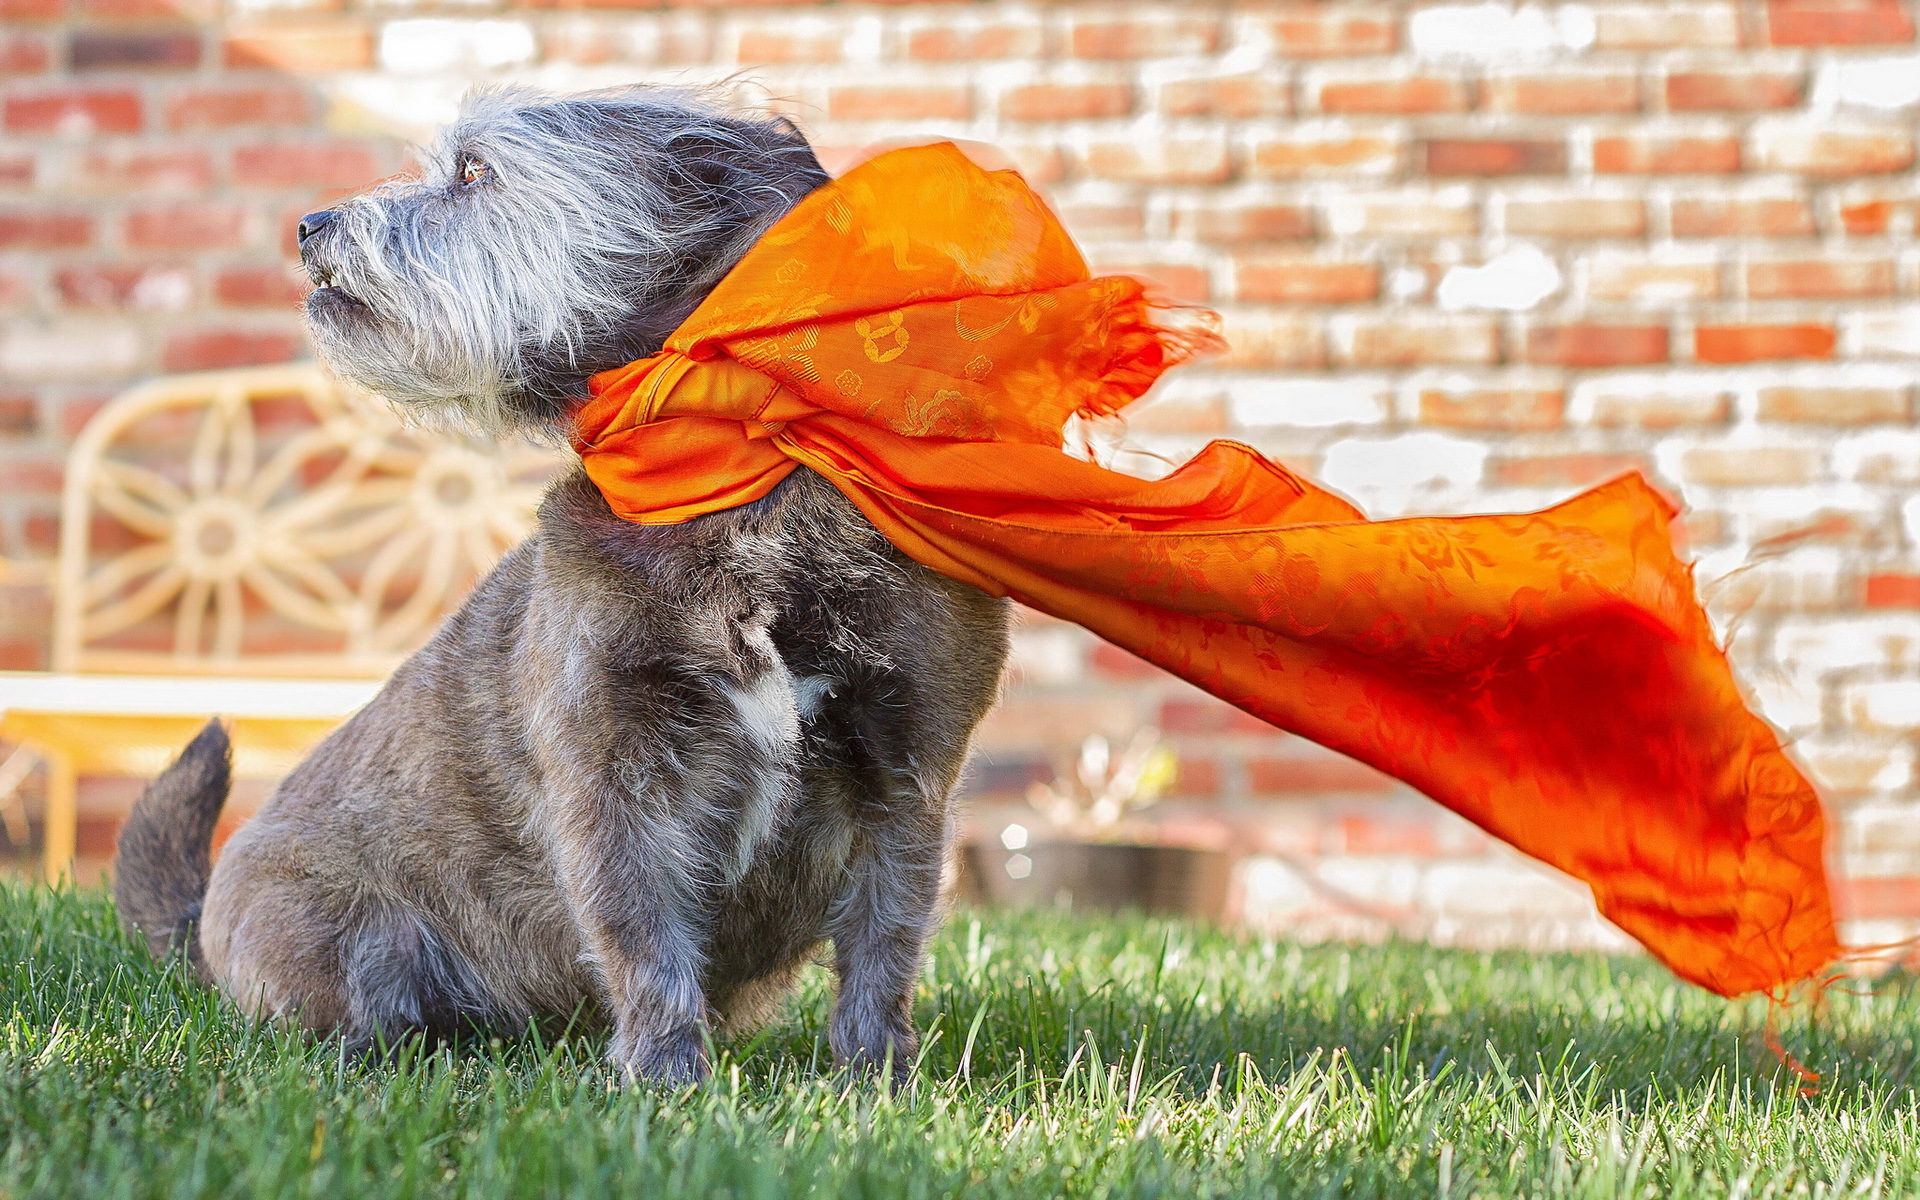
{"x":262,"y":544}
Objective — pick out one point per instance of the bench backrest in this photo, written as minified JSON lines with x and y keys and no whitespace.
{"x":271,"y":521}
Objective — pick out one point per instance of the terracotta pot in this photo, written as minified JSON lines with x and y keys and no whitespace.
{"x":1099,"y":876}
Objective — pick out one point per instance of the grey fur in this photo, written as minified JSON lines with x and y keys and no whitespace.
{"x":644,"y":771}
{"x":165,"y":848}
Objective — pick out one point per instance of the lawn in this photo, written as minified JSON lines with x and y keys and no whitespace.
{"x":1065,"y":1056}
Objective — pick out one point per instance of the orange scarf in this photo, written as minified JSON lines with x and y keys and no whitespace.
{"x":919,"y":331}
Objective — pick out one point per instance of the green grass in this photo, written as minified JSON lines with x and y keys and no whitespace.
{"x":1065,"y":1056}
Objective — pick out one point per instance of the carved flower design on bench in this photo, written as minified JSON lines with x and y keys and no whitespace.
{"x":311,"y":509}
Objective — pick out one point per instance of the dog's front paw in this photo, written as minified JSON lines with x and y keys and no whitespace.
{"x":876,"y":1050}
{"x":676,"y":1058}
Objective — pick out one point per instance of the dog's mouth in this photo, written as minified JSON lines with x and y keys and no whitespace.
{"x":326,"y":286}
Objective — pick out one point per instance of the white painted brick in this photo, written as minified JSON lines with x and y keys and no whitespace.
{"x":1050,"y":655}
{"x":1815,"y":647}
{"x":1892,"y":704}
{"x":1881,"y":827}
{"x":1882,"y":456}
{"x":1355,"y":400}
{"x":1876,"y":82}
{"x":1894,"y":332}
{"x":426,"y":45}
{"x":1515,"y":280}
{"x":1498,"y":31}
{"x":1502,"y":887}
{"x":1853,"y":765}
{"x":1393,"y":474}
{"x":69,"y":349}
{"x":1789,"y":704}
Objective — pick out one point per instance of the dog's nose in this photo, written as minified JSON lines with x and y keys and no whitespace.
{"x":313,"y":223}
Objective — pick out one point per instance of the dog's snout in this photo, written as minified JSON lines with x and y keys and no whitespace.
{"x":313,"y":223}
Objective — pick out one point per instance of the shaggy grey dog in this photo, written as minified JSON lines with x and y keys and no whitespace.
{"x":644,"y":772}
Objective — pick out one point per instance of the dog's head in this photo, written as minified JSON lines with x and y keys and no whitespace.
{"x":546,"y":238}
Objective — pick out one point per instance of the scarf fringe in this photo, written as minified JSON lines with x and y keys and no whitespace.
{"x":1146,"y":336}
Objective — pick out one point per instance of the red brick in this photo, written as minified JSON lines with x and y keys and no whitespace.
{"x":1661,"y":24}
{"x":1734,"y":91}
{"x":1066,"y":101}
{"x":1274,"y":339}
{"x":1867,"y":216}
{"x":1821,"y":278}
{"x":75,"y":111}
{"x":1408,"y":837}
{"x":1516,"y":408}
{"x":125,"y":286}
{"x":1122,"y":221}
{"x":134,"y":49}
{"x":1761,"y":343}
{"x":1877,"y":896}
{"x":187,"y":227}
{"x":305,"y":165}
{"x":1646,"y":281}
{"x":1749,"y":466}
{"x":18,"y":168}
{"x":32,"y":10}
{"x":1305,"y":281}
{"x":884,"y":103}
{"x":1197,"y":777}
{"x":1893,"y":591}
{"x":1143,"y":38}
{"x":775,"y":46}
{"x":1310,"y":776}
{"x":1576,"y":217}
{"x":1568,"y":93}
{"x":1834,"y":405}
{"x":149,"y":10}
{"x":1252,"y":222}
{"x":1171,"y":160}
{"x":1832,"y":152}
{"x":1112,"y":662}
{"x":144,"y":169}
{"x":207,"y":349}
{"x":1304,"y":155}
{"x":1177,"y":281}
{"x":44,"y":230}
{"x":1412,"y":95}
{"x":1661,"y":411}
{"x":24,"y":53}
{"x":1658,"y":155}
{"x":1742,"y":218}
{"x":1494,"y":156}
{"x":1593,"y":345}
{"x":1332,"y":32}
{"x":1562,"y":470}
{"x":1207,"y":715}
{"x":261,"y":287}
{"x":19,"y":416}
{"x":225,"y":106}
{"x":301,"y":48}
{"x":1251,"y":95}
{"x":1411,"y":341}
{"x":1837,"y":22}
{"x":963,"y":43}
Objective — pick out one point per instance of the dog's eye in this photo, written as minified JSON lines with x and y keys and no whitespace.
{"x":473,"y":171}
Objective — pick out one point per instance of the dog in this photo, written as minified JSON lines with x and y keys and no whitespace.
{"x":644,"y":773}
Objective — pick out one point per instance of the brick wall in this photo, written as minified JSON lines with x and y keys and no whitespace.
{"x":1470,"y":257}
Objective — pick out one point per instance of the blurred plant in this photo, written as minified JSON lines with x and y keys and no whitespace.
{"x":1100,"y":788}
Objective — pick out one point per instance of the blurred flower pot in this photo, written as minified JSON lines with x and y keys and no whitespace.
{"x":1091,"y":850}
{"x":1099,"y":876}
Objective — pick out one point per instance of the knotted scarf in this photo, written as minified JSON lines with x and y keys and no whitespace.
{"x":920,"y":331}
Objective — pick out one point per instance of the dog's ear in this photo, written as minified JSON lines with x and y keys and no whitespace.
{"x":737,"y":171}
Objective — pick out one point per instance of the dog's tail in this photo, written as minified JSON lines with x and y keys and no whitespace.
{"x":166,"y":848}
